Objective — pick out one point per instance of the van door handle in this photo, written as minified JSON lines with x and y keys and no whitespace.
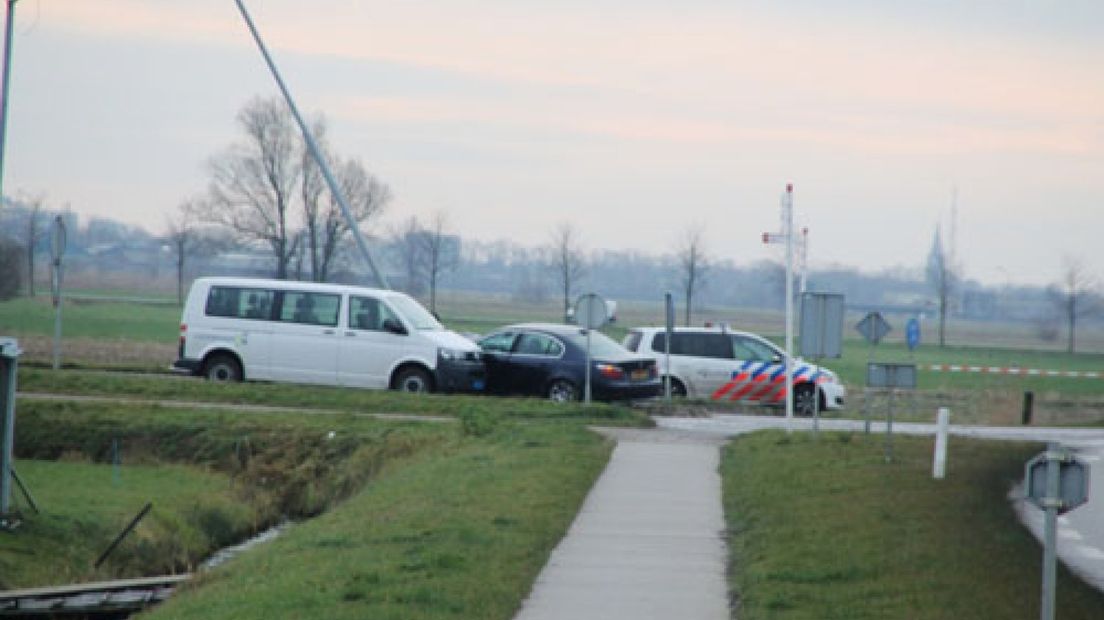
{"x":328,"y":332}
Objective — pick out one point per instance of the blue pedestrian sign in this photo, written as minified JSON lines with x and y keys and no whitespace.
{"x":912,"y":333}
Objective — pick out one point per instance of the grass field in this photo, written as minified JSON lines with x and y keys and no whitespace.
{"x":826,"y":529}
{"x":85,"y":505}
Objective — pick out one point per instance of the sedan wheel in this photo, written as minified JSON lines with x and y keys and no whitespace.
{"x":562,"y":391}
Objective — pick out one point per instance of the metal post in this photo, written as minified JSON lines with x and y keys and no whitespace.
{"x":939,"y":462}
{"x":587,"y":390}
{"x":787,"y":231}
{"x":669,"y":308}
{"x":5,"y":86}
{"x":1050,"y":530}
{"x":9,"y":355}
{"x":316,"y":152}
{"x":889,"y":428}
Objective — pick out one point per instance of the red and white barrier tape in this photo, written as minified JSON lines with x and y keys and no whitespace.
{"x":1023,"y":372}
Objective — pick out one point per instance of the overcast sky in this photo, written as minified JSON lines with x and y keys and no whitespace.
{"x":635,"y":120}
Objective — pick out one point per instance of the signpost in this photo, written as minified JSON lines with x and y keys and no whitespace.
{"x":873,"y":328}
{"x":786,"y":236}
{"x":1056,"y":482}
{"x":892,"y":377}
{"x":58,"y":239}
{"x":591,"y":312}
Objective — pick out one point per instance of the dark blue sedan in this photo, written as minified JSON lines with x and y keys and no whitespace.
{"x":549,"y":360}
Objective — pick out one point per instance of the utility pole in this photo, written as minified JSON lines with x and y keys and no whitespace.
{"x":5,"y":87}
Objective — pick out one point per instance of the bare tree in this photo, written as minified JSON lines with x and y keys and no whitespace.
{"x":182,"y":237}
{"x":311,"y":189}
{"x":407,"y":240}
{"x":941,"y":277}
{"x":439,"y":253}
{"x":253,"y":183}
{"x":10,"y":269}
{"x":693,"y":265}
{"x":366,"y":196}
{"x":1075,"y":297}
{"x":566,"y":258}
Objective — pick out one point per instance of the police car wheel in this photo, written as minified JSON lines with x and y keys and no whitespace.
{"x":678,"y":390}
{"x":805,"y":399}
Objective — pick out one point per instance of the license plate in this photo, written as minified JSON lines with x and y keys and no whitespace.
{"x":639,"y":375}
{"x":477,"y":384}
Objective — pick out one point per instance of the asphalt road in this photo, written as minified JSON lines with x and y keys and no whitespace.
{"x":1080,"y":532}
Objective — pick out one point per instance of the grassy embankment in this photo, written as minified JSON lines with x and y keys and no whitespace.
{"x":410,"y":519}
{"x":333,"y":399}
{"x":826,"y":529}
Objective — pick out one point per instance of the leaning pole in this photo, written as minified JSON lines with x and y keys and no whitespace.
{"x":316,"y":152}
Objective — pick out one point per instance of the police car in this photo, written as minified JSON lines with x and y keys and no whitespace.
{"x":724,"y":365}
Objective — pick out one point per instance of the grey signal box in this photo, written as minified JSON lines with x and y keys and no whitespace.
{"x":821,"y":325}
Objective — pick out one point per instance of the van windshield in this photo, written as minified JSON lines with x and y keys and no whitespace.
{"x":414,"y":313}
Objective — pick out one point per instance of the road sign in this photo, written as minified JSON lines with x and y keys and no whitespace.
{"x":880,"y":375}
{"x":873,"y":327}
{"x":821,"y":325}
{"x":1073,"y":481}
{"x":1056,"y":482}
{"x":591,"y":311}
{"x":912,"y":333}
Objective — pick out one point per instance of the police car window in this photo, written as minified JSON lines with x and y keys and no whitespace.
{"x":751,"y":349}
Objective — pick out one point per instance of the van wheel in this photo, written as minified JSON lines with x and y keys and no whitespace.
{"x":804,"y":399}
{"x":413,"y":379}
{"x":562,"y":391}
{"x":678,"y":390}
{"x":222,"y":368}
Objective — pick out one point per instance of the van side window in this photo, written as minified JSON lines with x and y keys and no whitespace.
{"x":310,"y":308}
{"x":240,"y":303}
{"x":369,"y":313}
{"x":695,"y":345}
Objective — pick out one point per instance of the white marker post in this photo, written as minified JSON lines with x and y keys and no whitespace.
{"x":786,"y":236}
{"x":939,"y":461}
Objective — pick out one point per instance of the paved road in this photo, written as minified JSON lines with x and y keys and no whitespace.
{"x":648,"y":540}
{"x":1080,"y":532}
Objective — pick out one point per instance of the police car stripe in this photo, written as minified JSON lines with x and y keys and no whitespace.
{"x":738,"y":376}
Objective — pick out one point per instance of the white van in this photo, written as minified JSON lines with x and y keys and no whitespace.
{"x":234,"y":329}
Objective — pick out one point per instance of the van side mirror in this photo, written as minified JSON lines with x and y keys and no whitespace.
{"x":394,"y":327}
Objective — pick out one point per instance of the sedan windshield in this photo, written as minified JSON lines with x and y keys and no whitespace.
{"x":414,"y":313}
{"x":601,"y":345}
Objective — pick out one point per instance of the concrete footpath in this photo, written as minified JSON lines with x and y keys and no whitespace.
{"x":648,"y":541}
